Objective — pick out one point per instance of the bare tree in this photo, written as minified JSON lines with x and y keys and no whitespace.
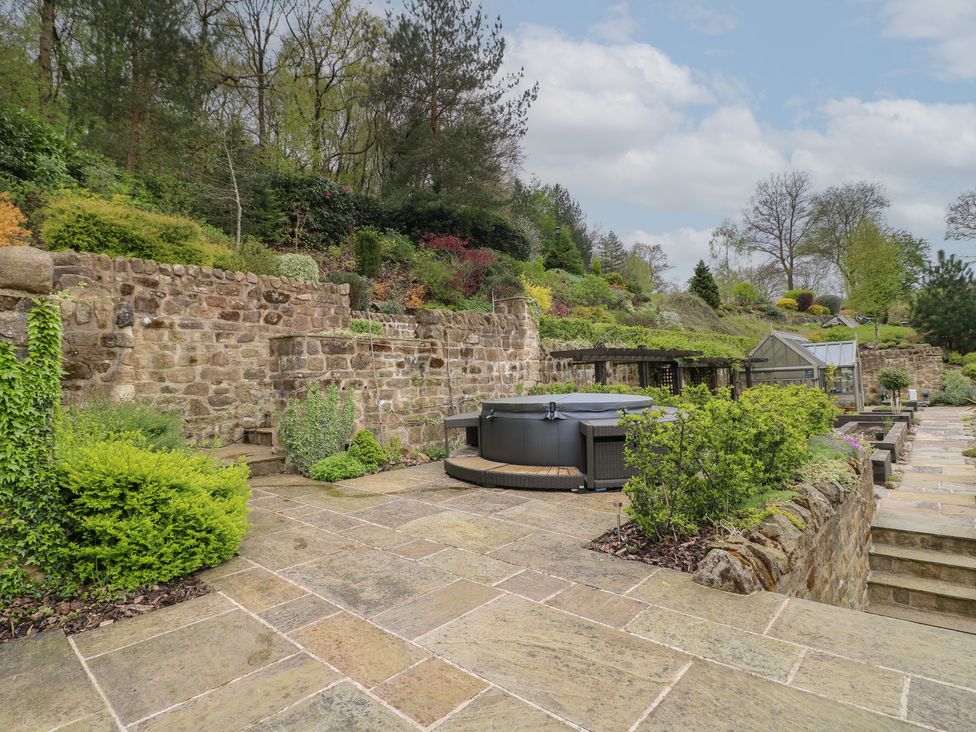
{"x":253,"y":32}
{"x":656,"y":259}
{"x":779,"y":220}
{"x":839,"y":211}
{"x":961,"y":217}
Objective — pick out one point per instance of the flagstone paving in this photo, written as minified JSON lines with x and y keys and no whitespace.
{"x":412,"y":601}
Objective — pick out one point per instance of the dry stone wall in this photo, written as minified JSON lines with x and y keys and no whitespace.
{"x":923,"y":362}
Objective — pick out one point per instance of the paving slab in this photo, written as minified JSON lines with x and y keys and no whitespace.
{"x":145,"y":678}
{"x":604,"y":607}
{"x":359,"y":649}
{"x":946,"y":655}
{"x":396,"y":513}
{"x":466,"y":531}
{"x":485,"y":502}
{"x":99,"y":722}
{"x":380,"y":537}
{"x":739,"y":648}
{"x":257,"y":589}
{"x":234,"y":564}
{"x":471,"y":565}
{"x":246,"y":700}
{"x":344,"y":500}
{"x":417,"y":549}
{"x":366,"y":580}
{"x":296,"y":613}
{"x":677,"y":591}
{"x":297,"y":545}
{"x":328,"y":520}
{"x":941,"y":706}
{"x":600,"y":678}
{"x":260,"y":522}
{"x":429,"y":691}
{"x":436,"y":608}
{"x":710,"y":698}
{"x":850,"y":681}
{"x":342,"y":708}
{"x":567,"y":557}
{"x":132,"y":630}
{"x":43,"y":684}
{"x":534,"y":585}
{"x":496,"y":711}
{"x":274,"y":503}
{"x":562,"y":518}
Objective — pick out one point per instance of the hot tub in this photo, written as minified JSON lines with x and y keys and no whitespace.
{"x":544,"y":429}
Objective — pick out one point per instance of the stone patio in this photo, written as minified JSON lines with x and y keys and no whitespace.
{"x":408,"y":600}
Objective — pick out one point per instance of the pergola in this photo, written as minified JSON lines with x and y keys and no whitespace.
{"x":660,"y":367}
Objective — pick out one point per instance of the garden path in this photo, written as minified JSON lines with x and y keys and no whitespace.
{"x":408,"y":600}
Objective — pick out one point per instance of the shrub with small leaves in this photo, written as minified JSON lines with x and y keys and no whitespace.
{"x":363,"y":326}
{"x":816,"y":309}
{"x":969,"y":371}
{"x":894,"y":379}
{"x":299,"y":266}
{"x":337,"y":467}
{"x":786,"y":303}
{"x":12,"y":231}
{"x":957,"y":390}
{"x":365,"y":448}
{"x":141,"y":424}
{"x":315,"y":427}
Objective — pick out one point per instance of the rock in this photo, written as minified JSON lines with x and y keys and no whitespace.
{"x":724,"y":571}
{"x":26,"y":269}
{"x":779,"y":528}
{"x":815,"y":502}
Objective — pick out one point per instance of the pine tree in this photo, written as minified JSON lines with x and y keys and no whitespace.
{"x":367,"y":251}
{"x":945,"y":308}
{"x":561,"y":253}
{"x":703,"y":284}
{"x":612,"y":253}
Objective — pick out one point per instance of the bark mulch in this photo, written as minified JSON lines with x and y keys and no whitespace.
{"x":30,"y":615}
{"x":682,"y":553}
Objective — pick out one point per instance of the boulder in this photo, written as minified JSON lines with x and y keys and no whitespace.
{"x":723,"y":571}
{"x":26,"y":269}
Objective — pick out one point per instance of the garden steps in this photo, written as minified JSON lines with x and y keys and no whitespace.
{"x":261,"y":459}
{"x":925,"y":563}
{"x":921,"y":593}
{"x":260,"y":436}
{"x":924,"y":617}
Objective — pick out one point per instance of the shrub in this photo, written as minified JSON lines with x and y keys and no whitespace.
{"x":787,"y":303}
{"x":364,"y":326}
{"x":367,"y":250}
{"x":954,"y":358}
{"x":12,"y":219}
{"x":137,"y":517}
{"x":540,"y":293}
{"x":483,"y":229}
{"x":894,"y":379}
{"x":669,"y":319}
{"x":316,"y":427}
{"x":816,"y":309}
{"x":594,"y":314}
{"x":803,"y":301}
{"x":745,"y":293}
{"x":30,"y":508}
{"x":299,"y":266}
{"x":969,"y":371}
{"x":823,"y":469}
{"x":105,"y":227}
{"x":435,"y":452}
{"x":337,"y":467}
{"x":365,"y":448}
{"x":253,"y":257}
{"x":438,"y":278}
{"x":795,"y":294}
{"x":140,"y":424}
{"x":397,"y":249}
{"x":591,"y":290}
{"x":360,"y":288}
{"x":969,"y":358}
{"x":831,"y":302}
{"x":956,"y":390}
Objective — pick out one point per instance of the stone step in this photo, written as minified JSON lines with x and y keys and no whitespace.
{"x":262,"y":460}
{"x":925,"y":617}
{"x":260,"y":436}
{"x":920,"y":593}
{"x":927,"y":563}
{"x":932,"y":533}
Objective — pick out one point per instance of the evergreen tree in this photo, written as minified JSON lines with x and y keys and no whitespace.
{"x":944,"y":311}
{"x":703,"y":284}
{"x":612,"y":253}
{"x":561,"y":253}
{"x":367,"y":252}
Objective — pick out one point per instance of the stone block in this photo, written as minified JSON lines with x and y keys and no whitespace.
{"x":26,"y":269}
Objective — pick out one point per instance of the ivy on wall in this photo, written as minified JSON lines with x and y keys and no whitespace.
{"x":31,"y":536}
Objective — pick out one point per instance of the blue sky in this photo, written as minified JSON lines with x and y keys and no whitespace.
{"x":661,"y":115}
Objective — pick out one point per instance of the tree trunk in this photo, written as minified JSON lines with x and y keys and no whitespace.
{"x":134,"y":115}
{"x":45,"y":44}
{"x":237,"y":195}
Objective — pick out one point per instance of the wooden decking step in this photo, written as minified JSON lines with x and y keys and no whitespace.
{"x":936,"y":619}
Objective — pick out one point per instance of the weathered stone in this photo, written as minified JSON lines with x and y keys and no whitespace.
{"x":725,"y":571}
{"x":26,"y":269}
{"x":342,"y":708}
{"x":430,"y":690}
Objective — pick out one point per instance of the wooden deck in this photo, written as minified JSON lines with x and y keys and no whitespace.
{"x":507,"y":475}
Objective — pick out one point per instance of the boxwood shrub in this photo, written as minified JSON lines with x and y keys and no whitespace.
{"x":138,"y":517}
{"x":337,"y":467}
{"x":365,"y":448}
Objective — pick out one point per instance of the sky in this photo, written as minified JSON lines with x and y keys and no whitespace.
{"x":660,"y":116}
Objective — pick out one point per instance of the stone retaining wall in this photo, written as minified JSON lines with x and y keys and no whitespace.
{"x":825,"y":561}
{"x":923,"y":362}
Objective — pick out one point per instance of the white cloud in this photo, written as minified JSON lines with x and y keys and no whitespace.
{"x":617,"y":27}
{"x":684,"y":247}
{"x":949,"y":24}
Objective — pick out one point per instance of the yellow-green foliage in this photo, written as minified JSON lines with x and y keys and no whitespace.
{"x":341,"y":466}
{"x":116,"y":229}
{"x":787,"y":303}
{"x":540,"y":293}
{"x":367,"y":451}
{"x":137,"y":517}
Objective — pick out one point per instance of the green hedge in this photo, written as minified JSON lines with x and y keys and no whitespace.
{"x":337,"y":467}
{"x":106,"y":227}
{"x":136,"y":517}
{"x":629,"y":336}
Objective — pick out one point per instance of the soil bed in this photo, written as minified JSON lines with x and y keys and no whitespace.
{"x":683,"y":553}
{"x":30,"y":615}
